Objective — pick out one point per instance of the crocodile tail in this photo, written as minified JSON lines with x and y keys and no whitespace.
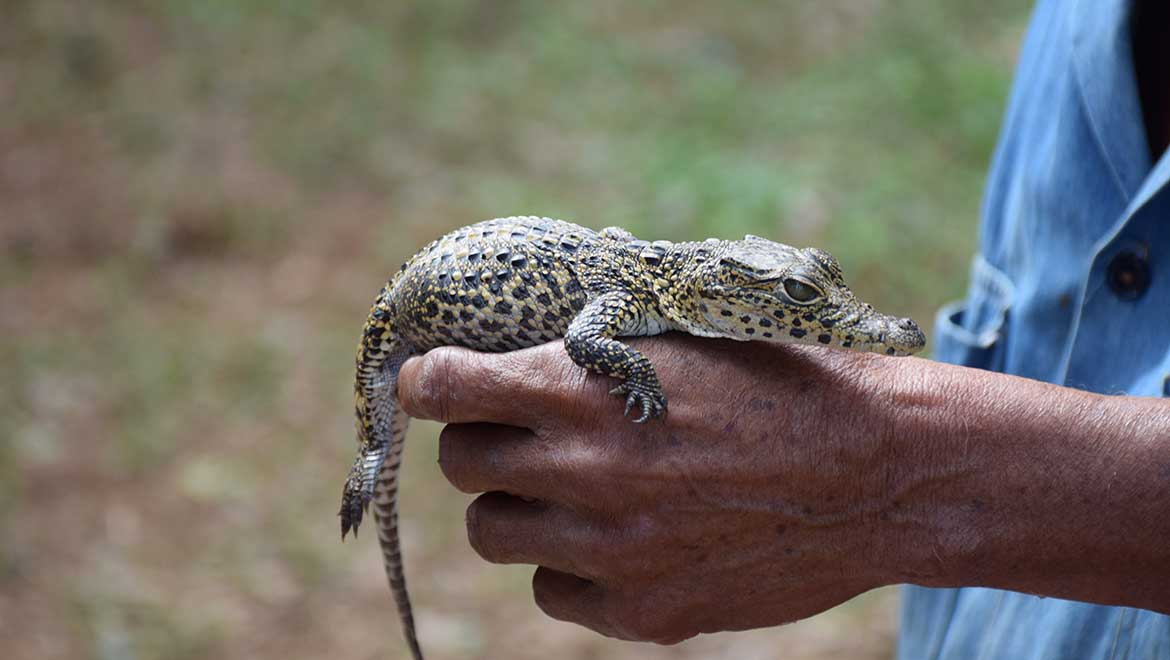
{"x":386,"y":515}
{"x":381,"y":435}
{"x":392,"y":421}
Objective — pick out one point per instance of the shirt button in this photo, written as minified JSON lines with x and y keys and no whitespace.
{"x":1129,"y":275}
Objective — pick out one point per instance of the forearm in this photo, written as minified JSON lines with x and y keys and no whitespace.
{"x":1011,"y":483}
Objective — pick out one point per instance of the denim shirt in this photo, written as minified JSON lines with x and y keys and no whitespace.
{"x":1071,"y":286}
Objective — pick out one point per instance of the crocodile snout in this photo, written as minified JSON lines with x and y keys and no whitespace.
{"x":903,"y":336}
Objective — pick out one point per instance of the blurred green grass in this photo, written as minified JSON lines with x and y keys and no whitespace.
{"x":198,"y":200}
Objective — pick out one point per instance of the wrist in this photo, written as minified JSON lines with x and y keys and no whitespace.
{"x":1004,"y":482}
{"x":917,"y":521}
{"x":954,"y":480}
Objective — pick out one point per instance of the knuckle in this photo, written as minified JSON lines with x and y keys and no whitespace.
{"x":630,"y":619}
{"x":477,"y":534}
{"x":597,"y":472}
{"x":545,"y":597}
{"x":548,"y":375}
{"x":570,"y":468}
{"x":432,"y":392}
{"x":640,"y":619}
{"x":476,"y":457}
{"x":646,"y":533}
{"x":441,"y":383}
{"x":586,"y":546}
{"x":587,"y":559}
{"x":452,"y":466}
{"x":564,"y":597}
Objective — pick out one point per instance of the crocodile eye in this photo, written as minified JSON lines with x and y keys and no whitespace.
{"x":801,"y":292}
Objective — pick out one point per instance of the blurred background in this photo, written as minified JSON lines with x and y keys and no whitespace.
{"x":200,"y":199}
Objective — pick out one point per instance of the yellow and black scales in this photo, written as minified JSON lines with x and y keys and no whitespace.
{"x":510,"y":283}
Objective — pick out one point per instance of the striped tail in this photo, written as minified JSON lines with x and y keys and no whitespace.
{"x":381,"y":431}
{"x":386,"y":515}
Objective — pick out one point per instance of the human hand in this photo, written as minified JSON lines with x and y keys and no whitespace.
{"x":752,"y":503}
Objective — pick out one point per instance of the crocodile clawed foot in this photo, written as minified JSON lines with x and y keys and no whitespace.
{"x":352,"y":508}
{"x":651,"y":401}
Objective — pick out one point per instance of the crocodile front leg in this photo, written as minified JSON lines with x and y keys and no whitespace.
{"x":591,"y":344}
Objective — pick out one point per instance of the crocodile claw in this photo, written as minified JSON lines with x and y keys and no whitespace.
{"x":353,"y":506}
{"x":651,"y":402}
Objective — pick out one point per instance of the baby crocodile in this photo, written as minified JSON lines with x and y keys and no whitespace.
{"x":505,"y":284}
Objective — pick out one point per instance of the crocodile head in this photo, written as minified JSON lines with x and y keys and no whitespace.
{"x":756,"y":289}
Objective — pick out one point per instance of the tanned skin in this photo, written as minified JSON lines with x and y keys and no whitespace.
{"x":786,"y":480}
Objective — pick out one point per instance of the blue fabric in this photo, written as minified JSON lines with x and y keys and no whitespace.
{"x":1072,"y":185}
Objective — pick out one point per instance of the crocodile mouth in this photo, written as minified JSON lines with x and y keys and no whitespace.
{"x":885,"y":335}
{"x":897,"y":337}
{"x":858,"y":329}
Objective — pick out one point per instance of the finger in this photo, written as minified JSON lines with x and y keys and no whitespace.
{"x":478,"y":457}
{"x":566,"y":597}
{"x":519,"y":388}
{"x":507,"y":530}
